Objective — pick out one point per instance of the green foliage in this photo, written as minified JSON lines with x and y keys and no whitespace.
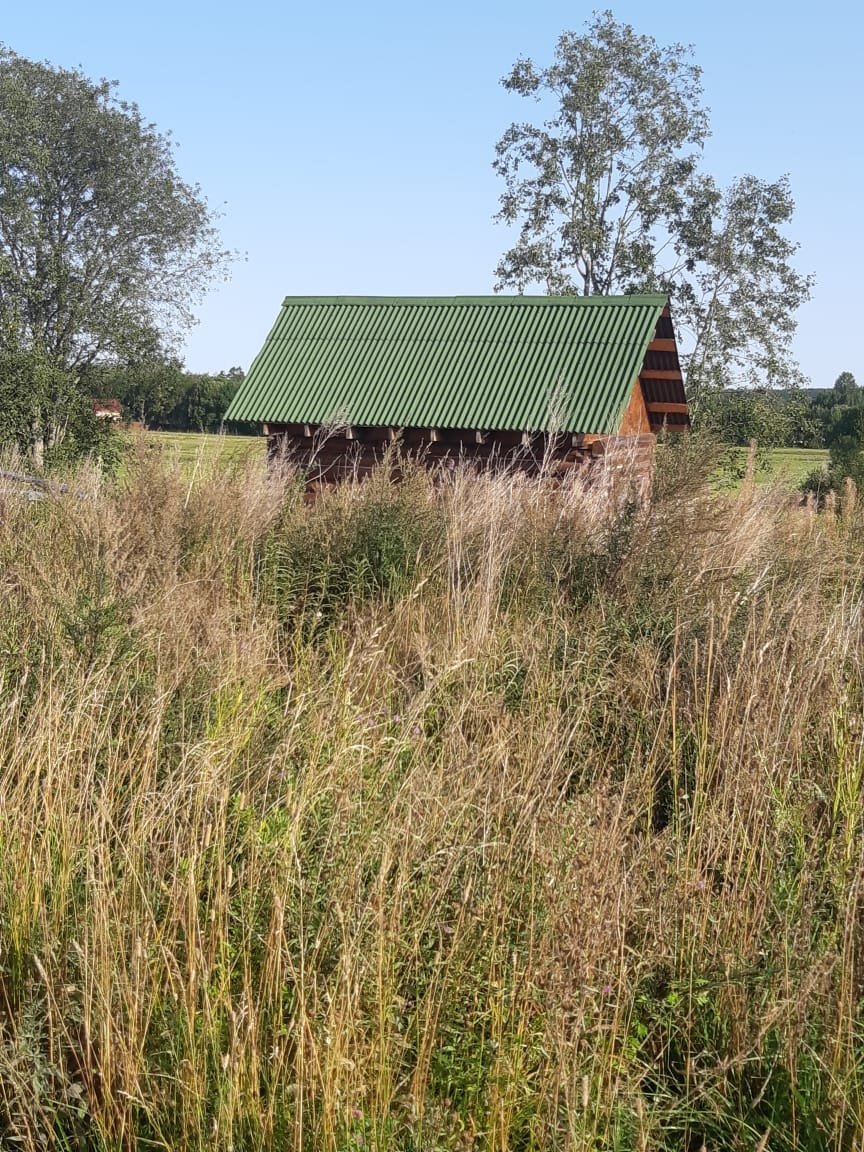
{"x":846,"y":390}
{"x":47,"y":418}
{"x":96,"y":625}
{"x":204,"y":402}
{"x":773,"y":418}
{"x":609,"y":197}
{"x":35,"y":399}
{"x":844,"y":438}
{"x":103,"y":248}
{"x":147,"y":389}
{"x":103,"y":252}
{"x":160,"y":394}
{"x":680,"y":1031}
{"x":613,"y":160}
{"x":314,"y":566}
{"x":846,"y":445}
{"x":734,"y":289}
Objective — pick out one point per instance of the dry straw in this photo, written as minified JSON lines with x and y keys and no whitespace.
{"x":469,"y":813}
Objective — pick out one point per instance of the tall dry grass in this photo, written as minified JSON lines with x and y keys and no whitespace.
{"x":470,"y":815}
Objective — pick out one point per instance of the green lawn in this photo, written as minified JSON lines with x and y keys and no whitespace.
{"x":791,"y":464}
{"x":190,"y":448}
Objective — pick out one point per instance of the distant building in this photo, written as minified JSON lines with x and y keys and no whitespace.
{"x":519,"y":380}
{"x":108,"y":410}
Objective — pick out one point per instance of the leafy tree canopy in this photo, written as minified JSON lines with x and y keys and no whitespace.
{"x":104,"y":249}
{"x":609,"y":196}
{"x":846,"y":390}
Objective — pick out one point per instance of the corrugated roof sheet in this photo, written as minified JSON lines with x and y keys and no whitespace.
{"x":491,"y":362}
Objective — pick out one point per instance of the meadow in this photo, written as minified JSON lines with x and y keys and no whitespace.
{"x":785,"y":465}
{"x":462,"y":815}
{"x":191,"y":449}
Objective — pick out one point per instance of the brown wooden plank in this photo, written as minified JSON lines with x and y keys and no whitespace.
{"x":661,"y":344}
{"x":665,"y":408}
{"x":661,"y":374}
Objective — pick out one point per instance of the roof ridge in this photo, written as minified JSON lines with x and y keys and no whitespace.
{"x":545,"y":301}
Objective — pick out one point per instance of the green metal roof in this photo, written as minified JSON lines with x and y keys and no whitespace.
{"x":529,"y":363}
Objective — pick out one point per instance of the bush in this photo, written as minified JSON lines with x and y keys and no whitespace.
{"x":47,"y":418}
{"x":354,"y":544}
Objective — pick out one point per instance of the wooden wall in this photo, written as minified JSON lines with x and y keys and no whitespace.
{"x":355,"y":452}
{"x":635,"y":421}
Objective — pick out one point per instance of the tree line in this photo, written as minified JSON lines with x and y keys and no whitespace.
{"x":783,"y":417}
{"x":162,"y":395}
{"x":156,"y":395}
{"x":831,"y":419}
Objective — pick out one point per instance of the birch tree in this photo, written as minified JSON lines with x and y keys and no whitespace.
{"x":608,"y":195}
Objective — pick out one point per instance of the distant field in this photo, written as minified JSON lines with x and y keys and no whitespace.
{"x":192,"y":447}
{"x":792,"y":464}
{"x":795,"y":463}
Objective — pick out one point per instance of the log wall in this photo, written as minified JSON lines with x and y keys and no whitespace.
{"x":327,"y":457}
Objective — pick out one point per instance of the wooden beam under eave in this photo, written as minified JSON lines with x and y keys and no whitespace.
{"x":664,"y":408}
{"x":662,"y":344}
{"x":661,"y":374}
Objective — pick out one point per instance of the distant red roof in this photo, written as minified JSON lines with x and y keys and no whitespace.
{"x":108,"y":409}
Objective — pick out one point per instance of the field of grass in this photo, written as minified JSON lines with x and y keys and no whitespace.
{"x":787,"y":464}
{"x":464,"y":816}
{"x":191,"y":448}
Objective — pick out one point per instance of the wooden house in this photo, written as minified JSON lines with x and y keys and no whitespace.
{"x":524,"y":381}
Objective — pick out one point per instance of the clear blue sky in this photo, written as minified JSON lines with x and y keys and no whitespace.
{"x":350,"y":145}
